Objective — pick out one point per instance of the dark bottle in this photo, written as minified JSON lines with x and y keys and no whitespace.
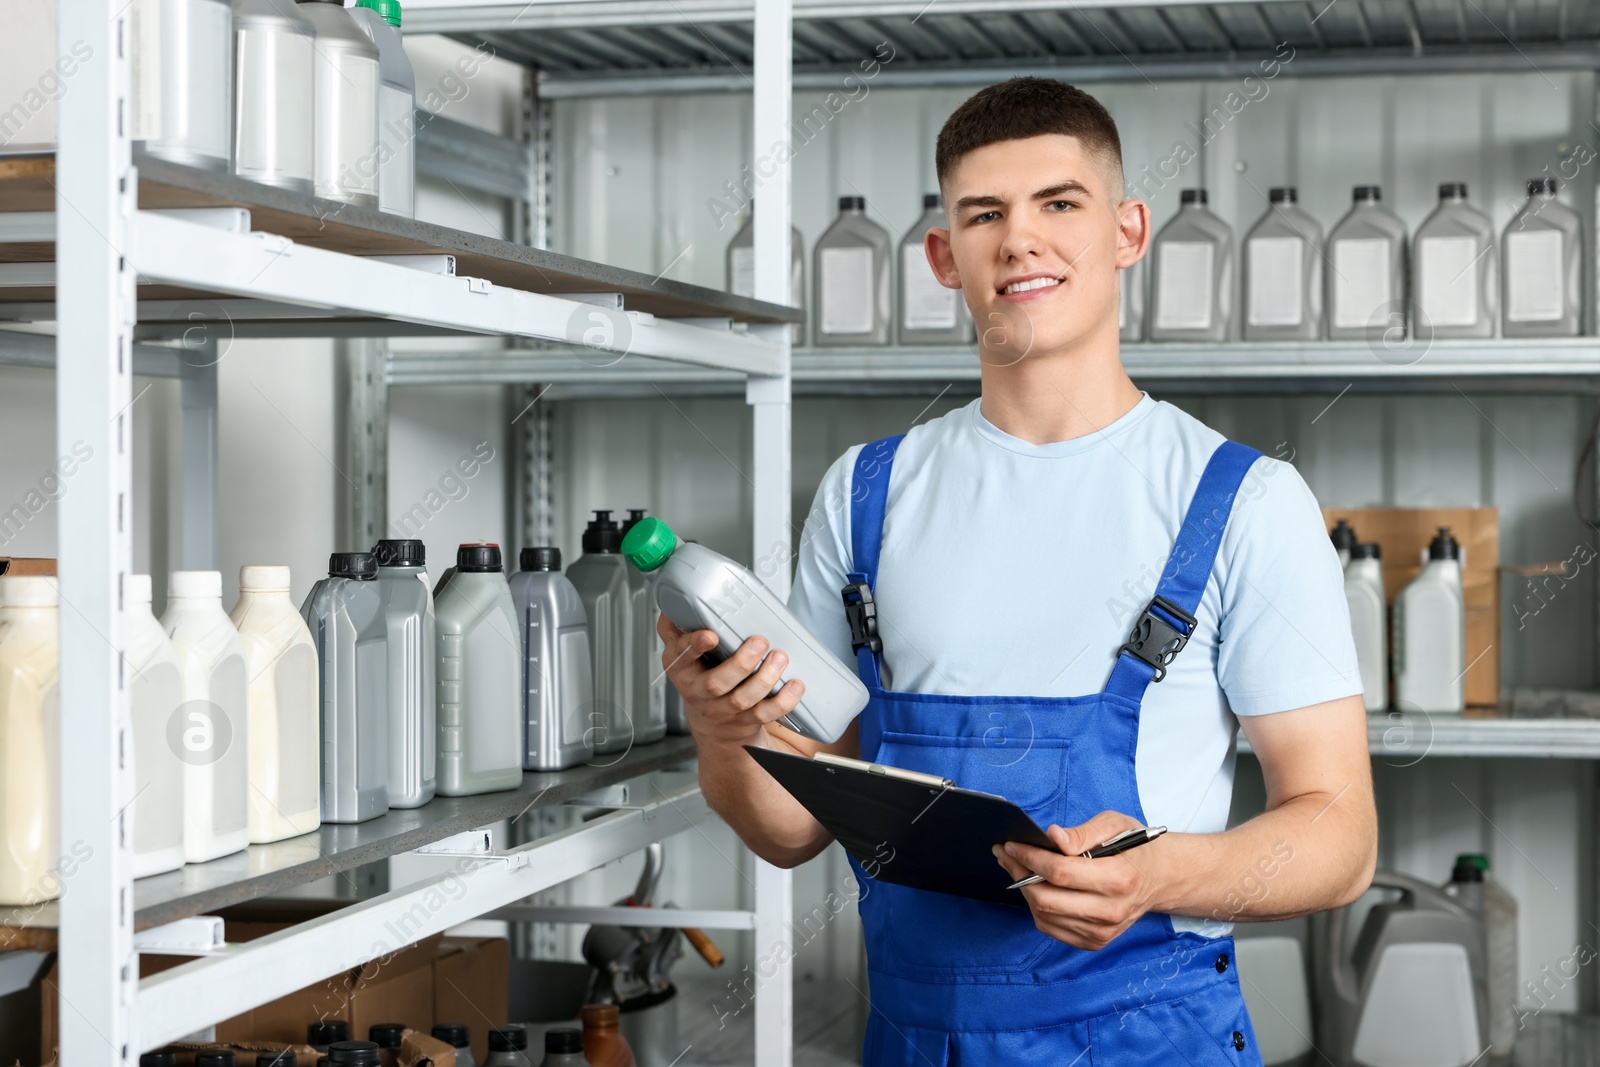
{"x":603,"y":1043}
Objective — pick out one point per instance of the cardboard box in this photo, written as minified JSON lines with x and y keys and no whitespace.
{"x":20,"y":566}
{"x":1403,"y":535}
{"x":470,"y":983}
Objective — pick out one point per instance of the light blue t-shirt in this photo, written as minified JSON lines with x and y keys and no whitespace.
{"x":1013,"y":569}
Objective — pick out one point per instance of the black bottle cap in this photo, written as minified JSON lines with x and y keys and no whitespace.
{"x":161,"y":1057}
{"x":852,"y":203}
{"x":387,"y":1035}
{"x":930,"y":200}
{"x":541,"y":558}
{"x":1443,"y":546}
{"x":480,"y":558}
{"x":1282,"y":194}
{"x":214,"y":1058}
{"x":567,"y":1039}
{"x":1344,"y":537}
{"x":354,"y":1054}
{"x":1369,"y":194}
{"x":452,"y":1034}
{"x":327,"y":1032}
{"x":400,"y":552}
{"x":635,"y":515}
{"x":275,"y":1059}
{"x":362,"y":566}
{"x":602,"y":535}
{"x":1365,"y":550}
{"x":1192,"y":196}
{"x":1466,"y":871}
{"x":508,"y":1039}
{"x":1543,"y":185}
{"x":1452,"y":190}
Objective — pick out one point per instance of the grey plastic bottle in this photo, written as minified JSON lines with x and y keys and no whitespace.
{"x":1365,"y":284}
{"x":929,"y":313}
{"x":1282,"y":276}
{"x":196,"y":83}
{"x":508,"y":1047}
{"x":345,"y":75}
{"x":853,"y":301}
{"x":345,"y":614}
{"x":563,"y":1047}
{"x":459,"y":1037}
{"x":649,"y":703}
{"x":1191,"y":285}
{"x":397,"y":107}
{"x":741,"y":267}
{"x":274,"y":113}
{"x":410,"y":650}
{"x":479,"y":675}
{"x":557,"y":672}
{"x":1454,"y":280}
{"x":601,"y":578}
{"x":1543,"y":264}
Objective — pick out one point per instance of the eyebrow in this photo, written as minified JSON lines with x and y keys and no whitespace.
{"x":1049,"y":193}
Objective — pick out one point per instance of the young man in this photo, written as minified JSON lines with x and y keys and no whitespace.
{"x":1011,"y":547}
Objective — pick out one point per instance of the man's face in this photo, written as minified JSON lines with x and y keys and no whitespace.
{"x":1038,"y":231}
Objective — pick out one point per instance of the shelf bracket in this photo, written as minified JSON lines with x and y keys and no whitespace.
{"x":473,"y":845}
{"x":197,"y":935}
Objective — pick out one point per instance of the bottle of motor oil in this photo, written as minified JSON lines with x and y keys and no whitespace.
{"x":195,"y":83}
{"x":741,"y":267}
{"x":563,"y":1047}
{"x":1430,"y":633}
{"x":1363,"y":593}
{"x":1191,"y":291}
{"x":1543,"y":249}
{"x":1283,"y":273}
{"x":649,"y":703}
{"x":853,"y":299}
{"x":1366,"y":279}
{"x":1130,"y":302}
{"x":601,"y":578}
{"x":557,"y":673}
{"x":458,"y":1037}
{"x":1344,"y":540}
{"x":508,"y":1047}
{"x":1455,"y":284}
{"x":1472,"y":883}
{"x":156,"y":682}
{"x":285,"y":721}
{"x":30,"y":731}
{"x":930,"y":314}
{"x":274,"y":113}
{"x":345,"y":77}
{"x":411,"y":649}
{"x":356,"y":1054}
{"x":698,"y":589}
{"x":387,"y":1036}
{"x":397,"y":105}
{"x":479,"y":675}
{"x":214,"y":730}
{"x":345,"y":614}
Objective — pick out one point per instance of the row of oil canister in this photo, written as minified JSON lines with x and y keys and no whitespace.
{"x":259,"y":724}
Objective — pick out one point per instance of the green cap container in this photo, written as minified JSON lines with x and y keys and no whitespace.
{"x":388,"y":9}
{"x":649,"y":544}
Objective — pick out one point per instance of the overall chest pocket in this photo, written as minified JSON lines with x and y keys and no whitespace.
{"x":936,"y":934}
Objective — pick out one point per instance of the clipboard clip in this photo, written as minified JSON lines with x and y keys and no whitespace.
{"x":862,"y":612}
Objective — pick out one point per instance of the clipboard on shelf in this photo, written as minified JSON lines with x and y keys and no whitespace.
{"x":909,"y":828}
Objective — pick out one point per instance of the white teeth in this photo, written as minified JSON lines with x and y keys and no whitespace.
{"x":1036,"y":283}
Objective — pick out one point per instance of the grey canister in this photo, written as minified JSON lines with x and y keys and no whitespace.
{"x":601,"y":578}
{"x":274,"y":114}
{"x":196,"y":84}
{"x":480,"y":715}
{"x":410,"y":650}
{"x":649,"y":704}
{"x":557,"y":674}
{"x":397,"y":107}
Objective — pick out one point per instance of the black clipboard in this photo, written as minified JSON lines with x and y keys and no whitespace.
{"x":908,"y":828}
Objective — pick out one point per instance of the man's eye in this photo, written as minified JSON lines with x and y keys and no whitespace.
{"x":1059,"y":205}
{"x":986,"y":216}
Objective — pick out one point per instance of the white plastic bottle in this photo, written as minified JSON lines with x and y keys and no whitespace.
{"x":30,"y":729}
{"x":853,"y":296}
{"x":1363,"y":593}
{"x":601,"y":578}
{"x":930,"y":314}
{"x":1283,"y":273}
{"x":479,"y":675}
{"x":196,"y":82}
{"x":1543,"y":250}
{"x":1430,"y":633}
{"x":1366,"y":276}
{"x":1344,"y":541}
{"x":346,"y":80}
{"x":285,"y":735}
{"x":1191,"y":291}
{"x":1454,"y":285}
{"x":156,"y":682}
{"x":212,"y":736}
{"x":397,"y":107}
{"x":741,"y":267}
{"x":649,"y":703}
{"x":274,"y":116}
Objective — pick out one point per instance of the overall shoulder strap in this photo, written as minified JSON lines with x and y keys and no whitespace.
{"x":869,"y":497}
{"x":1168,"y":621}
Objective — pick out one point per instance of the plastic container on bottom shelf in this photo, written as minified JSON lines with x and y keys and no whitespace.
{"x":557,"y":673}
{"x":285,"y":733}
{"x":395,"y":157}
{"x":1430,"y":633}
{"x":649,"y":702}
{"x":1472,"y":884}
{"x":155,"y":681}
{"x":458,"y":1037}
{"x":345,"y":614}
{"x":563,"y":1047}
{"x":1343,"y":537}
{"x":601,"y":577}
{"x":1363,"y":593}
{"x":410,"y":650}
{"x":508,"y":1047}
{"x":1191,"y":289}
{"x":321,"y":1035}
{"x":29,"y":741}
{"x":698,"y":589}
{"x":274,"y":117}
{"x":479,"y":674}
{"x":356,"y":1054}
{"x":212,"y":733}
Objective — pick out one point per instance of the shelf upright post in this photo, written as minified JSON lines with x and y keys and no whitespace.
{"x":769,"y":397}
{"x":96,"y":191}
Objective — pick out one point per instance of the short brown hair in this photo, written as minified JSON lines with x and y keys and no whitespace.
{"x":1028,"y":107}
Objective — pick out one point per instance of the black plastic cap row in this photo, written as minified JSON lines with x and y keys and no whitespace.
{"x":602,"y":535}
{"x":564,"y":1040}
{"x":454,"y":1034}
{"x":1192,"y":196}
{"x":386,"y":1035}
{"x":401,"y":552}
{"x":508,"y":1039}
{"x":362,"y":566}
{"x":480,"y":558}
{"x":541,"y":558}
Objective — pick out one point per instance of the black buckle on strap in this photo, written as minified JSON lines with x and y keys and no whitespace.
{"x":1157,"y":641}
{"x":862,"y":612}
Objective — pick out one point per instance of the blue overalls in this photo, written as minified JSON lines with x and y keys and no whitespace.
{"x":966,"y":983}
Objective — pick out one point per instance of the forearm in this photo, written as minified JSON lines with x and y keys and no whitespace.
{"x":765,"y":816}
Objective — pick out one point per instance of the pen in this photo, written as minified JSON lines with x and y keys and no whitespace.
{"x":1121,"y":843}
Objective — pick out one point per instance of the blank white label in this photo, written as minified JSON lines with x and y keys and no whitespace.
{"x":1277,"y":270}
{"x":744,"y":272}
{"x":1533,"y":276}
{"x":928,"y":305}
{"x":1449,"y":290}
{"x":847,"y":290}
{"x":1185,"y":285}
{"x":1361,"y":282}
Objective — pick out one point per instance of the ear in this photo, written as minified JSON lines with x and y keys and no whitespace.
{"x":941,"y":257}
{"x":1133,"y":232}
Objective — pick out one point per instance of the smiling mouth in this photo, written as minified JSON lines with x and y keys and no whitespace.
{"x":1029,"y":285}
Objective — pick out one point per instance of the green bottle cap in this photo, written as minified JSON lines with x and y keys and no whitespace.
{"x":649,"y":544}
{"x":1473,"y":859}
{"x":389,"y":9}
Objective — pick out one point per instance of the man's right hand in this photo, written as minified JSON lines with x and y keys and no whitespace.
{"x":731,"y":703}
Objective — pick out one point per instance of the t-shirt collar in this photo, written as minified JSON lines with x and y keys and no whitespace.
{"x":991,"y":433}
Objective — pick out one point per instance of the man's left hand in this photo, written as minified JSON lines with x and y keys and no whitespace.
{"x":1085,"y":903}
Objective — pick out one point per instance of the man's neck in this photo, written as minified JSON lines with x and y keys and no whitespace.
{"x":1064,"y":395}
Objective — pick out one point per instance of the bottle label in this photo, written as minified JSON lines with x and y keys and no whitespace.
{"x":744,"y":272}
{"x":847,"y":289}
{"x":1361,"y":282}
{"x":1277,"y":282}
{"x":1535,"y":288}
{"x":1449,"y":271}
{"x":925,"y":304}
{"x":1185,"y":285}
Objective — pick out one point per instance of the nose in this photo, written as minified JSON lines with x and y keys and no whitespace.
{"x":1022,"y":237}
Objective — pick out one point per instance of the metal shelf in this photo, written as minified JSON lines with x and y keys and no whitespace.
{"x":264,"y":870}
{"x":1403,"y":738}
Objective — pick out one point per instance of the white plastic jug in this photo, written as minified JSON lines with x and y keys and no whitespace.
{"x":156,"y":680}
{"x":285,"y":739}
{"x":29,"y":732}
{"x":212,"y":736}
{"x":1363,"y":594}
{"x":1430,"y":633}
